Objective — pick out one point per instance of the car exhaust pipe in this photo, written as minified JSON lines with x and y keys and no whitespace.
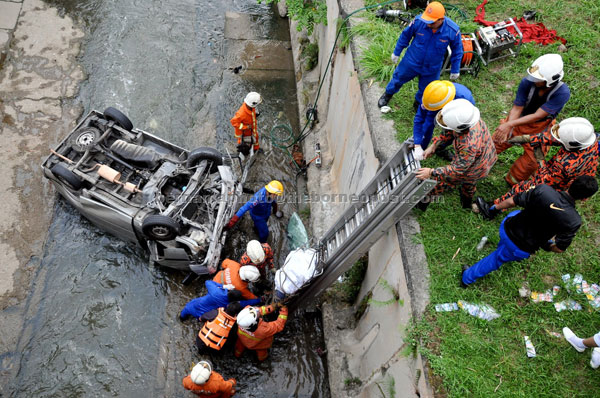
{"x":108,"y":173}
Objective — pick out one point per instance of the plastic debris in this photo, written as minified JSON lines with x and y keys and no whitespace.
{"x":554,"y":334}
{"x":567,"y":281}
{"x":555,"y":290}
{"x":482,"y":243}
{"x":577,"y":282}
{"x":529,"y":346}
{"x":594,"y":289}
{"x":385,"y":109}
{"x":482,"y":311}
{"x":446,"y":307}
{"x":524,"y":290}
{"x":539,"y":297}
{"x":570,"y":304}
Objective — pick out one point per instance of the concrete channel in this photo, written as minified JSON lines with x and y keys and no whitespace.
{"x":39,"y":80}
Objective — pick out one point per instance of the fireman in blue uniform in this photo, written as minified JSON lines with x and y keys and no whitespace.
{"x":429,"y":35}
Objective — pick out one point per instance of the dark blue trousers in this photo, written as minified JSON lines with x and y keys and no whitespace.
{"x":404,"y":73}
{"x":505,"y":252}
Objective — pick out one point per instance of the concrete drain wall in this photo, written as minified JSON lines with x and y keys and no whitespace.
{"x":369,"y":356}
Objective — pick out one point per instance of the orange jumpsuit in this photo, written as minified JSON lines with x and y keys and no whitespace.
{"x":230,"y":275}
{"x":244,"y":122}
{"x":262,"y":338}
{"x":215,"y":387}
{"x":245,"y":260}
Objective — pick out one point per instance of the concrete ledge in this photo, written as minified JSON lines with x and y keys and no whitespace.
{"x":9,"y":13}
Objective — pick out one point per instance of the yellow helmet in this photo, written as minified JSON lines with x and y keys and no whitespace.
{"x":275,"y":187}
{"x":437,"y":94}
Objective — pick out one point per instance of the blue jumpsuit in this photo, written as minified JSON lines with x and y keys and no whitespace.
{"x":425,"y":55}
{"x":424,"y":120}
{"x":215,"y":298}
{"x":260,"y":211}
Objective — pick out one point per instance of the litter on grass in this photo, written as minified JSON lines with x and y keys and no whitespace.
{"x":539,"y":297}
{"x":554,"y":334}
{"x":482,"y":311}
{"x":446,"y":307}
{"x":570,"y":305}
{"x":529,"y":346}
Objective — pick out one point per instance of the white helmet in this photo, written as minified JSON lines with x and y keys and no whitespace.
{"x":255,"y":252}
{"x":201,"y":372}
{"x":458,"y":115}
{"x":247,"y":317}
{"x":548,"y":68}
{"x":249,"y":273}
{"x":253,"y":99}
{"x":575,"y":133}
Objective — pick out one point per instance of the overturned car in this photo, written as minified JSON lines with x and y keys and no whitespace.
{"x":141,"y":188}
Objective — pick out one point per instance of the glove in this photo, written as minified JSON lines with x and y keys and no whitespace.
{"x":454,"y":76}
{"x":419,"y":152}
{"x":395,"y":58}
{"x":232,"y":222}
{"x":228,"y":287}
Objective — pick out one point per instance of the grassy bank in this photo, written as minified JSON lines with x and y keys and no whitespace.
{"x":471,"y":357}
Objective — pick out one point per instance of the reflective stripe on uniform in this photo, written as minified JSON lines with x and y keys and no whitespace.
{"x":246,"y":334}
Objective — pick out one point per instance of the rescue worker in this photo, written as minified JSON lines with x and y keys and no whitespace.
{"x":475,"y":153}
{"x":217,"y":296}
{"x":204,"y":382}
{"x":260,"y":206}
{"x":540,"y":98}
{"x":581,"y":344}
{"x":549,"y":221}
{"x":577,"y":156}
{"x":427,"y":38}
{"x":254,"y":333}
{"x":260,"y":255}
{"x":244,"y":120}
{"x":217,"y":326}
{"x":234,"y":274}
{"x":437,"y":94}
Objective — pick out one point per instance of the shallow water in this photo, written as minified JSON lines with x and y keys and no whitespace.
{"x":102,"y":320}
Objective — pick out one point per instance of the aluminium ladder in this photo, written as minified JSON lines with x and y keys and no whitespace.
{"x":388,"y":197}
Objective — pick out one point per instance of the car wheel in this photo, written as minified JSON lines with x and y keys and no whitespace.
{"x":159,"y":227}
{"x":118,"y":117}
{"x":85,"y":138}
{"x":65,"y":175}
{"x":205,"y":153}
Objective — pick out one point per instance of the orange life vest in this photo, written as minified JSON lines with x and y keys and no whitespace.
{"x":214,"y":333}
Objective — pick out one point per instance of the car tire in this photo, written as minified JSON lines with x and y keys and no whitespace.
{"x":85,"y":139}
{"x":159,"y":227}
{"x":118,"y":117}
{"x":61,"y":172}
{"x":205,"y":153}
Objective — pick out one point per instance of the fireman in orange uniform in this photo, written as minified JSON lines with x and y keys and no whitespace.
{"x":203,"y":382}
{"x":218,"y":324}
{"x":254,"y":333}
{"x":238,"y":276}
{"x":260,"y":255}
{"x":540,"y":98}
{"x":244,"y":121}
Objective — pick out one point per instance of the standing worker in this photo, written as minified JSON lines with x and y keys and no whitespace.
{"x":549,"y":221}
{"x":260,"y":209}
{"x":540,"y":98}
{"x":577,"y":156}
{"x":238,"y":276}
{"x":244,"y":120}
{"x":204,"y":382}
{"x":437,"y":94}
{"x":254,"y":333}
{"x":475,"y":153}
{"x":258,"y":254}
{"x":427,"y":38}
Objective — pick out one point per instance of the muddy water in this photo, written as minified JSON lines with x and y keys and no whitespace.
{"x":102,"y":322}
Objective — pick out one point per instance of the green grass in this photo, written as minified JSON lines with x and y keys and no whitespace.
{"x":471,"y":357}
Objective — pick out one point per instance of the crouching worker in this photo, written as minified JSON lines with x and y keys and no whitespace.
{"x":254,"y":333}
{"x":217,"y":326}
{"x":260,"y":255}
{"x":549,"y":221}
{"x":203,"y":382}
{"x":238,"y":276}
{"x":217,"y":297}
{"x":474,"y":152}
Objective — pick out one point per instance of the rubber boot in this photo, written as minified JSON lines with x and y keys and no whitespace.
{"x":466,"y":201}
{"x":485,"y":209}
{"x":384,"y":99}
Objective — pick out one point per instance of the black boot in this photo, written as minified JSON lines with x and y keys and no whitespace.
{"x":384,"y":99}
{"x":466,"y":201}
{"x":462,"y":284}
{"x":485,"y":209}
{"x":423,"y":204}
